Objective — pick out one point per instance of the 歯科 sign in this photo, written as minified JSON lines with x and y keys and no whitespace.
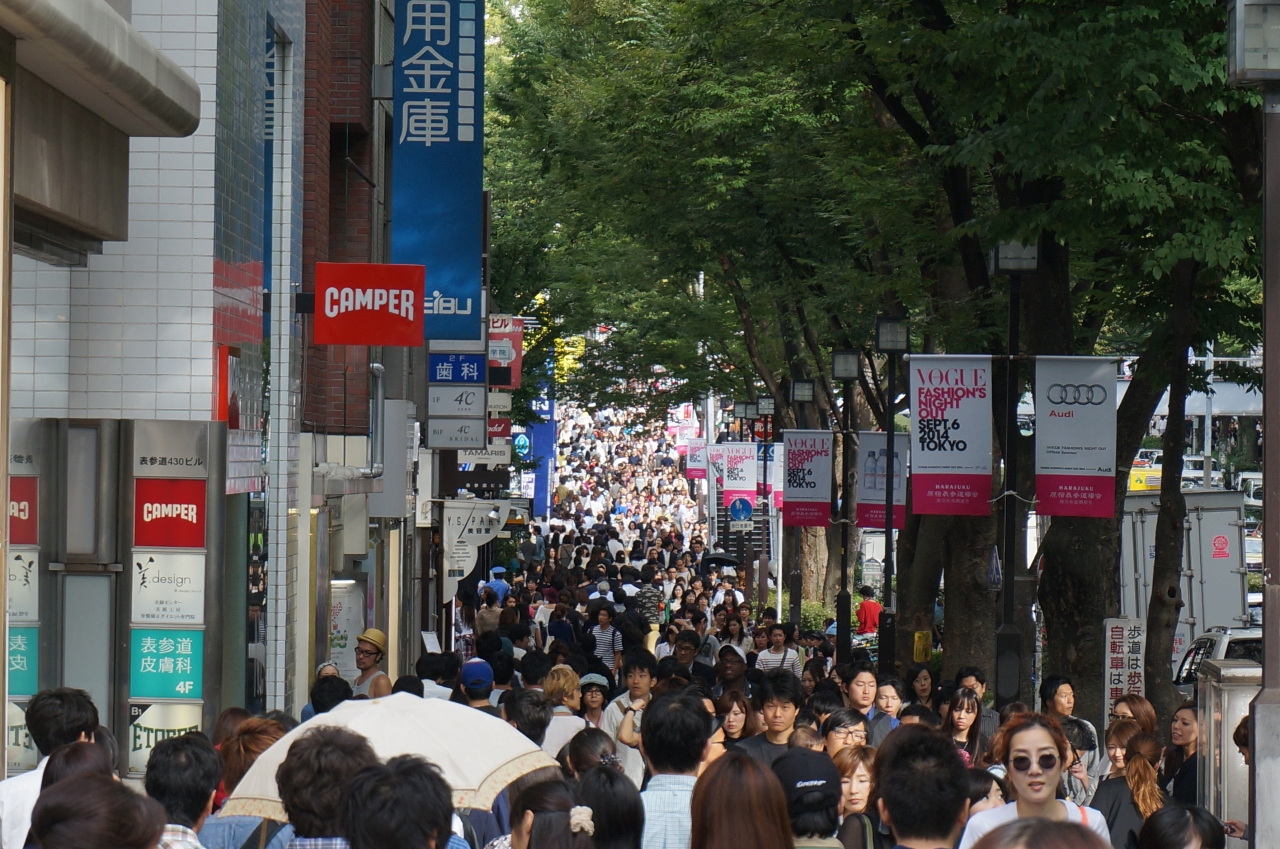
{"x":456,"y":368}
{"x":167,"y":587}
{"x":951,"y":435}
{"x":437,"y":201}
{"x":872,"y":479}
{"x":806,"y":488}
{"x":739,"y":471}
{"x":1076,"y":436}
{"x":364,"y":303}
{"x":169,"y":513}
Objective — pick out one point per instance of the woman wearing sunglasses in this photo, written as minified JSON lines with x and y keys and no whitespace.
{"x":1035,"y":752}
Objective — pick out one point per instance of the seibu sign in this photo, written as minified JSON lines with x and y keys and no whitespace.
{"x":169,"y":513}
{"x":359,"y":303}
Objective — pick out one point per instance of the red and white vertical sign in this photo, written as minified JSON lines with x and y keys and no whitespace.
{"x":873,"y":471}
{"x":506,"y":347}
{"x":951,"y":435}
{"x":739,"y":472}
{"x":1076,"y":437}
{"x":806,"y":488}
{"x":695,"y":461}
{"x":715,"y":462}
{"x":24,"y":510}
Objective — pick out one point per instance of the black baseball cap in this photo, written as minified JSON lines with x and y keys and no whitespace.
{"x":804,"y":771}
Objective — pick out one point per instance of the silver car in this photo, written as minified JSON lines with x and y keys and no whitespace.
{"x":1218,"y":643}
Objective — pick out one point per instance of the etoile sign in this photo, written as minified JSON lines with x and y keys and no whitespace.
{"x":360,"y":303}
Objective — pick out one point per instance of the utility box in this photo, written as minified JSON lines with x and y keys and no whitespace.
{"x":1224,"y":690}
{"x":1214,"y":583}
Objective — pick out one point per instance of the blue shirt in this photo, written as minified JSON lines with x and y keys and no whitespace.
{"x":499,"y":586}
{"x":668,"y":817}
{"x":221,"y":832}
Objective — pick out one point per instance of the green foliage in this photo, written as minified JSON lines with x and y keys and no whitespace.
{"x":813,"y":614}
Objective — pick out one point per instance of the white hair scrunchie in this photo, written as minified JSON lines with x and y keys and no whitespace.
{"x":580,"y":820}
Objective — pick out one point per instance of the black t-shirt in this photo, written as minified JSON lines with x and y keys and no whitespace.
{"x":762,"y":750}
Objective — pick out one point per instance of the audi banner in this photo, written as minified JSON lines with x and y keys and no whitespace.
{"x":1076,"y":437}
{"x":950,"y":435}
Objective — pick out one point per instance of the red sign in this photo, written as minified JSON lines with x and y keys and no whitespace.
{"x":506,"y":347}
{"x":1221,"y":547}
{"x":763,"y":429}
{"x":360,"y":303}
{"x":24,"y":493}
{"x":168,"y":513}
{"x":499,"y":428}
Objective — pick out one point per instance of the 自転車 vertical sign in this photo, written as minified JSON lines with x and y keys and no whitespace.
{"x":436,"y":192}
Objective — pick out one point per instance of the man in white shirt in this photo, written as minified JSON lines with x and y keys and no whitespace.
{"x":639,"y":673}
{"x":54,"y":718}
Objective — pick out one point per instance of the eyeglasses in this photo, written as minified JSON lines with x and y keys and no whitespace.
{"x":844,"y":735}
{"x":1022,"y":763}
{"x":366,"y":653}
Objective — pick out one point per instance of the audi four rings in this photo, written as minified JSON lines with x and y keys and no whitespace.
{"x":1070,"y":394}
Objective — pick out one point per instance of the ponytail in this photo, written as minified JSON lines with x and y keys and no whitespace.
{"x":1141,"y":756}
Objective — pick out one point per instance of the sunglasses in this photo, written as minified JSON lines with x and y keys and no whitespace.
{"x":1022,"y":763}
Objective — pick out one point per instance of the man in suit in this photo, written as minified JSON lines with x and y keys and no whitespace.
{"x":686,"y":653}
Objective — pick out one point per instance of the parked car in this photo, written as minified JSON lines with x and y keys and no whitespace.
{"x":1193,"y":473}
{"x":1151,"y":455}
{"x":1253,"y":553}
{"x":1143,"y":477}
{"x":1217,"y":643}
{"x":1250,"y":483}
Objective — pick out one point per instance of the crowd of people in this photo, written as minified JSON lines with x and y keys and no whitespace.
{"x":680,"y":717}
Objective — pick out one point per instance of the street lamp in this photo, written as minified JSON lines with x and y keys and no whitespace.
{"x":802,"y":392}
{"x":739,"y":413}
{"x":893,"y":339}
{"x":1253,"y":56}
{"x":1012,"y":260}
{"x":844,"y":368}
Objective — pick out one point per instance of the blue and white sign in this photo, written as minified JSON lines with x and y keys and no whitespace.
{"x":740,"y":510}
{"x":436,"y":194}
{"x":456,"y":368}
{"x":521,"y":443}
{"x":542,"y":450}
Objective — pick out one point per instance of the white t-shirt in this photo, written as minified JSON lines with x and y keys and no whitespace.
{"x":987,"y":821}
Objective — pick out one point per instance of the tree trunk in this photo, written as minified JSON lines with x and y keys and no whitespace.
{"x":972,"y":609}
{"x":1166,"y":572}
{"x":918,"y":575}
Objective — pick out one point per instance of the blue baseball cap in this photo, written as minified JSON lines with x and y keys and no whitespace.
{"x":476,"y":675}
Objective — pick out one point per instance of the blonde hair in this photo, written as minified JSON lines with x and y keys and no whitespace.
{"x":559,"y":683}
{"x":1142,"y":754}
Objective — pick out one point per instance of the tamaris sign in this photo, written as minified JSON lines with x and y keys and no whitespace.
{"x":359,"y":303}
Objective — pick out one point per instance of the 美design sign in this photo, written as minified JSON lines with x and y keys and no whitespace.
{"x":1076,"y":436}
{"x":167,"y":587}
{"x":872,"y":479}
{"x":168,"y":513}
{"x":437,"y":204}
{"x":23,"y":567}
{"x":806,"y":489}
{"x":739,"y":472}
{"x":363,"y":303}
{"x":951,"y":435}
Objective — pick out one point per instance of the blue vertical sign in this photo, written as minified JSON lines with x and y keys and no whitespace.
{"x":542,"y":448}
{"x":437,"y":164}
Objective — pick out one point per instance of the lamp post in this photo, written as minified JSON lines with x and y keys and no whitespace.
{"x":844,"y":368}
{"x":801,"y":393}
{"x":1012,"y":260}
{"x":892,"y":340}
{"x":1253,"y":56}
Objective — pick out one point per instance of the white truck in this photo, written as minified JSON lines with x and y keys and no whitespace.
{"x":1214,"y":582}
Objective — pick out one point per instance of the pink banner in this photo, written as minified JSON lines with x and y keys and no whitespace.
{"x":695,"y":464}
{"x":1075,"y":495}
{"x":872,"y":516}
{"x":951,"y":495}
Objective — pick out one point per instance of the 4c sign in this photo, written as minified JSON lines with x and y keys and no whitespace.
{"x":369,"y":304}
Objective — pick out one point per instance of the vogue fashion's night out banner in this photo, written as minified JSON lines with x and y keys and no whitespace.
{"x":695,"y":463}
{"x":951,"y":435}
{"x":1076,"y":437}
{"x":739,"y":472}
{"x":874,"y":469}
{"x":806,"y":489}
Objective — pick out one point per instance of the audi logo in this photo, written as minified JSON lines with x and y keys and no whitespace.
{"x":1070,"y":394}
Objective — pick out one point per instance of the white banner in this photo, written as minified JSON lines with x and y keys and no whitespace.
{"x":951,"y":435}
{"x":715,"y":463}
{"x":695,"y":464}
{"x":739,"y":472}
{"x":467,"y":525}
{"x":1076,"y":436}
{"x":873,"y":478}
{"x":1126,"y":643}
{"x":806,"y":490}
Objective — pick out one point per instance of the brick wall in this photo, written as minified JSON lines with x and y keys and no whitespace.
{"x":339,"y":200}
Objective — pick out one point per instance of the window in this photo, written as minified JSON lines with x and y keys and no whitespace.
{"x":1245,"y":650}
{"x":1191,"y":663}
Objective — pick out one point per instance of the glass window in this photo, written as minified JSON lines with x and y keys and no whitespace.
{"x":1191,"y":663}
{"x":1245,"y":650}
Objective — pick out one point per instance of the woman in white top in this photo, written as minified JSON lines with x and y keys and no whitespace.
{"x":1035,"y":754}
{"x":778,"y":656}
